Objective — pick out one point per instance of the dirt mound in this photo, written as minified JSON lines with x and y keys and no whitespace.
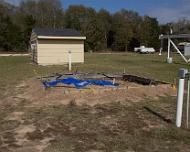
{"x":34,"y":92}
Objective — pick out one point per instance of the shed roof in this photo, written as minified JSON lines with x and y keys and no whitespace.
{"x":56,"y":32}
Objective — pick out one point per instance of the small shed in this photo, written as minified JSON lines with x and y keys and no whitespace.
{"x":52,"y":46}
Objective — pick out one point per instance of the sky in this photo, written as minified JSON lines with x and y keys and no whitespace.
{"x":164,"y":10}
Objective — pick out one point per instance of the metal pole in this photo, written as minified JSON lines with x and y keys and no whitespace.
{"x":180,"y":102}
{"x":182,"y":73}
{"x":187,"y":112}
{"x":70,"y":60}
{"x":178,"y":50}
{"x":161,"y":48}
{"x":168,"y":47}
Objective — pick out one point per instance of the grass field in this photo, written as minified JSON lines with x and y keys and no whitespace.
{"x":110,"y":127}
{"x":14,"y":69}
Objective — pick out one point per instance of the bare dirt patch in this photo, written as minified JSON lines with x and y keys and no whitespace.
{"x":15,"y":116}
{"x":40,"y":128}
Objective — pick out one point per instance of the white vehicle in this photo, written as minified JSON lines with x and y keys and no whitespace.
{"x":143,"y":49}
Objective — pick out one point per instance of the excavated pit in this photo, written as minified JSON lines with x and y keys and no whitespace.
{"x":131,"y":88}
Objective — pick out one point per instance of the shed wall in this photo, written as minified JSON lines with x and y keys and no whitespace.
{"x":52,"y":52}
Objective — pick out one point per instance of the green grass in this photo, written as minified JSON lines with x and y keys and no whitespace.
{"x":152,"y":66}
{"x":15,"y":69}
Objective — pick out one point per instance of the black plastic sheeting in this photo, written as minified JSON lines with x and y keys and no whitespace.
{"x":141,"y":80}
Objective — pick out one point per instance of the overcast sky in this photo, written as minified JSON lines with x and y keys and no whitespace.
{"x":164,"y":10}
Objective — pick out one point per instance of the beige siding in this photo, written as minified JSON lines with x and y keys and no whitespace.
{"x":56,"y":51}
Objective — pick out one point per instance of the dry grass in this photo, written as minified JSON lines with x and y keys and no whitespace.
{"x":108,"y":127}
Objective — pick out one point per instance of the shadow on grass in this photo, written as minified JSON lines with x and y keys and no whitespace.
{"x":158,"y":115}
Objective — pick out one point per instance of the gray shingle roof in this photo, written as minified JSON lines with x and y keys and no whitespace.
{"x":56,"y":32}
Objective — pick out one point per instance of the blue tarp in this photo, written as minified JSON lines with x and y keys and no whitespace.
{"x":78,"y":83}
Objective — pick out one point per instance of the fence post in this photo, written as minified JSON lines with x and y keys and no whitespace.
{"x":70,"y":60}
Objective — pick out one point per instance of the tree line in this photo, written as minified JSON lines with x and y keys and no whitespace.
{"x":120,"y":31}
